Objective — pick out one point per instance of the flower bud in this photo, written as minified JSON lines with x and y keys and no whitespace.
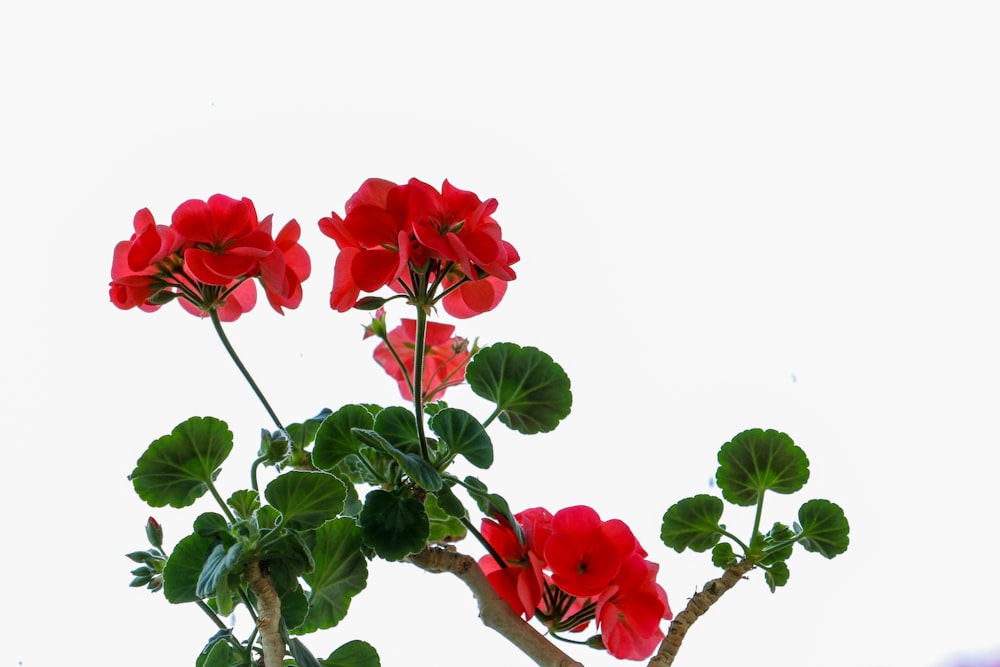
{"x":154,"y":532}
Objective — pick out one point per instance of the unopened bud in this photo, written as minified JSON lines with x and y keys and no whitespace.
{"x":154,"y":533}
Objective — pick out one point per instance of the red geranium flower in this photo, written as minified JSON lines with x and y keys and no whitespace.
{"x":417,"y":240}
{"x":520,"y":583}
{"x":374,"y":243}
{"x":283,"y":271}
{"x":629,"y":612}
{"x":445,"y":358}
{"x":584,"y":558}
{"x":206,"y":258}
{"x":225,"y":243}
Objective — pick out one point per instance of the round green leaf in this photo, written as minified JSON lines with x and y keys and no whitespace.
{"x":184,"y":566}
{"x":177,"y":469}
{"x":306,"y":499}
{"x":824,"y":528}
{"x":530,"y":390}
{"x":392,"y":525}
{"x":463,"y":434}
{"x":755,"y":461}
{"x":334,"y":438}
{"x":692,"y":523}
{"x":776,"y":575}
{"x":341,"y":572}
{"x":398,"y":425}
{"x":353,"y":654}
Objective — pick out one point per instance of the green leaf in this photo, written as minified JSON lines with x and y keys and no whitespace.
{"x":419,"y":470}
{"x":341,"y":572}
{"x":824,"y":528}
{"x":755,"y":461}
{"x":177,"y":469}
{"x":449,"y":502}
{"x":294,"y":605}
{"x":530,"y":390}
{"x":394,"y":526}
{"x":220,"y":653}
{"x":779,"y":534}
{"x":244,"y":502}
{"x":211,"y":524}
{"x":306,"y":499}
{"x":723,"y":555}
{"x":398,"y":425}
{"x":444,"y":526}
{"x":492,"y":504}
{"x":353,"y":654}
{"x":463,"y":434}
{"x":303,"y":434}
{"x":184,"y":566}
{"x":220,"y":562}
{"x":692,"y":523}
{"x":776,"y":575}
{"x":335,"y":439}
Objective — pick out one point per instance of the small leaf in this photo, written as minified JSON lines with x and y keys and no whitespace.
{"x":444,"y":526}
{"x":692,"y":523}
{"x":463,"y":434}
{"x":244,"y":502}
{"x":723,"y":555}
{"x":779,"y":534}
{"x":177,"y":469}
{"x":420,"y":471}
{"x":824,"y":528}
{"x":341,"y":572}
{"x":392,"y":525}
{"x":306,"y":499}
{"x":493,"y":505}
{"x":335,"y":439}
{"x":755,"y":461}
{"x":294,"y":605}
{"x":530,"y":390}
{"x":353,"y":654}
{"x":304,"y":434}
{"x":776,"y":575}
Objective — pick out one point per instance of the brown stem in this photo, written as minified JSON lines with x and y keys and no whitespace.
{"x":696,"y":606}
{"x":494,"y":612}
{"x":268,"y":614}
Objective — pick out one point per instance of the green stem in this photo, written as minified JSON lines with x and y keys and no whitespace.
{"x":212,"y":615}
{"x":482,"y":540}
{"x":239,"y":364}
{"x":489,"y":420}
{"x":418,"y":380}
{"x":222,"y":503}
{"x":756,"y":519}
{"x":726,"y":533}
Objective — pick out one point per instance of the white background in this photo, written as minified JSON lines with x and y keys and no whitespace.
{"x":730,"y":214}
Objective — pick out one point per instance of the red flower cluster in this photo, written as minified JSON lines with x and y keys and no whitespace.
{"x":572,"y":568}
{"x":415,"y":240}
{"x":206,"y":257}
{"x":445,"y":357}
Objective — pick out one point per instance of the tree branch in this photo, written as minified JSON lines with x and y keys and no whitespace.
{"x":696,"y":606}
{"x":494,"y":612}
{"x":268,"y":614}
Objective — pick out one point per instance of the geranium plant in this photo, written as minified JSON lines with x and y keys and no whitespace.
{"x":368,"y":481}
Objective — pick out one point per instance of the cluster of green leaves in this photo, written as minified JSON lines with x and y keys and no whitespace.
{"x":414,"y":501}
{"x":752,"y":463}
{"x":310,"y":527}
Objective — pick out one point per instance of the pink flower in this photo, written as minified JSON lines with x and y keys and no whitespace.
{"x":445,"y":358}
